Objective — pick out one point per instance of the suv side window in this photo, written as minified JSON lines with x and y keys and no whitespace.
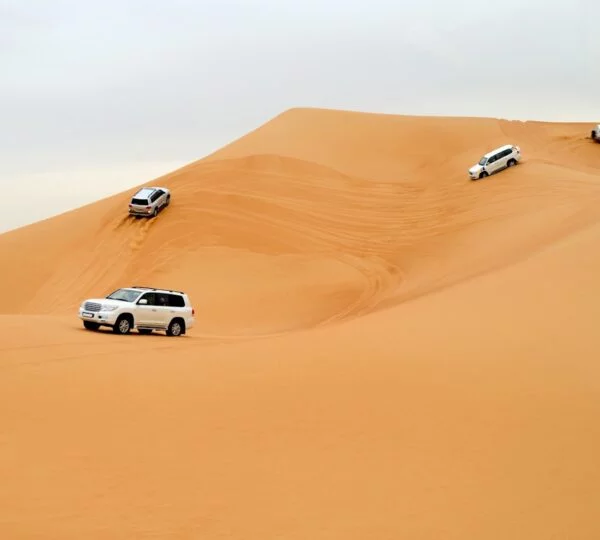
{"x":159,"y":193}
{"x":154,"y":196}
{"x":162,"y":299}
{"x":150,"y":297}
{"x":176,"y":300}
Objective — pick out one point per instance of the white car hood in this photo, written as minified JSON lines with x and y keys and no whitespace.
{"x":475,"y":168}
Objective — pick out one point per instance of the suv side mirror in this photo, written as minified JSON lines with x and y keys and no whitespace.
{"x":143,"y":302}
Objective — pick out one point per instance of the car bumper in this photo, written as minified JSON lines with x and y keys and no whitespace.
{"x":142,"y":212}
{"x":189,"y":323}
{"x":99,"y":317}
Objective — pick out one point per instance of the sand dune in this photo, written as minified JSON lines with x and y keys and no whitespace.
{"x":427,"y":364}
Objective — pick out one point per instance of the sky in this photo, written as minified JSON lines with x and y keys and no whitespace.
{"x":97,"y":97}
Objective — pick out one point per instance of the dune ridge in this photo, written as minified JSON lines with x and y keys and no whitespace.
{"x":427,"y":361}
{"x":337,"y":244}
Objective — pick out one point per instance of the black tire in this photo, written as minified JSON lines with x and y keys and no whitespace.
{"x":89,"y":325}
{"x":123,"y":325}
{"x":511,"y":163}
{"x":483,"y":174}
{"x":155,"y":213}
{"x":176,"y":328}
{"x":145,"y":331}
{"x":168,"y":200}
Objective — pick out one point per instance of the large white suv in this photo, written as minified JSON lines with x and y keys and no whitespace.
{"x":149,"y":201}
{"x":496,"y":160}
{"x":143,"y":308}
{"x":596,"y":133}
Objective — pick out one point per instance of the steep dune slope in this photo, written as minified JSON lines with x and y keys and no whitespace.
{"x":338,"y":213}
{"x":457,"y":397}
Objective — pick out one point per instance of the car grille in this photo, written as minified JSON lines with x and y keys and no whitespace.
{"x":92,"y":306}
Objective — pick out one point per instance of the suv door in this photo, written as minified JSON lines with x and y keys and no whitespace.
{"x":143,"y":312}
{"x":161,"y":199}
{"x":163,"y":313}
{"x":503,"y":158}
{"x":492,"y":164}
{"x":154,"y":198}
{"x":177,"y":307}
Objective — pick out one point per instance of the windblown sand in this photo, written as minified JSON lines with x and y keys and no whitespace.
{"x":383,"y":349}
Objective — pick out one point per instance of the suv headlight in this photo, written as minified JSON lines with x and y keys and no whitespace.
{"x":108,"y":307}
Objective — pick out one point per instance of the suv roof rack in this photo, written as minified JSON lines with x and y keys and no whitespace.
{"x":155,"y":289}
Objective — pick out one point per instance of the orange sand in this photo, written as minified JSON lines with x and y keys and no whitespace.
{"x":383,"y":348}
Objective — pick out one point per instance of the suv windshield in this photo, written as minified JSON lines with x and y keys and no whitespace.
{"x":126,"y":295}
{"x":483,"y":161}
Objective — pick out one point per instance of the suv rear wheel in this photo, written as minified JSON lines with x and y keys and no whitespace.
{"x":176,"y":328}
{"x":511,"y":162}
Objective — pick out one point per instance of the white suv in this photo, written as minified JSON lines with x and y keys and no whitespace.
{"x":143,"y":308}
{"x":496,"y":160}
{"x":149,"y":201}
{"x":596,"y":133}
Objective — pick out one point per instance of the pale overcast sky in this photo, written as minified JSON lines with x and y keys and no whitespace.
{"x":98,"y":96}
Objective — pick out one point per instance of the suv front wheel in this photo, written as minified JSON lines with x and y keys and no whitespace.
{"x":89,"y":325}
{"x":123,"y":325}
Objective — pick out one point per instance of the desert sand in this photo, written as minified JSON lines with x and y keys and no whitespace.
{"x":383,"y":349}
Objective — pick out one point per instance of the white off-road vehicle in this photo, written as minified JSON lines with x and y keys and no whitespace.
{"x":596,"y":133}
{"x":143,"y":308}
{"x":149,"y":201}
{"x":496,"y":160}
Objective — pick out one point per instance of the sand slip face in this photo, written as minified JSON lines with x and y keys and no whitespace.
{"x":427,"y":357}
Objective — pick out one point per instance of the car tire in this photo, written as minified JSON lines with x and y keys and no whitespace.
{"x":123,"y":325}
{"x":89,"y":325}
{"x":176,"y":328}
{"x":483,"y":174}
{"x":511,"y":163}
{"x":155,"y":213}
